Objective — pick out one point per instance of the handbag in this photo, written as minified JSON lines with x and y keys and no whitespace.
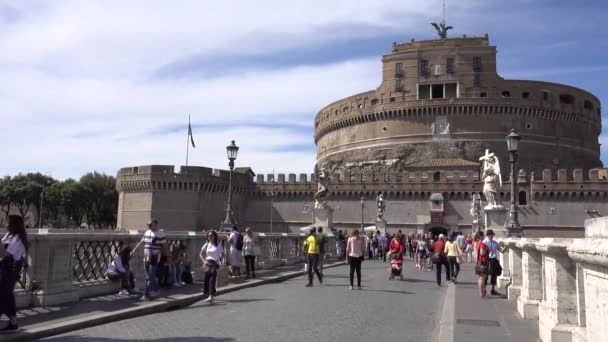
{"x":481,"y":269}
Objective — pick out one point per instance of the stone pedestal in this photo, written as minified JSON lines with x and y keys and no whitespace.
{"x":53,"y":271}
{"x":531,"y":288}
{"x":515,"y":254}
{"x":504,"y":280}
{"x":381,"y":226}
{"x":496,"y":219}
{"x":322,"y":218}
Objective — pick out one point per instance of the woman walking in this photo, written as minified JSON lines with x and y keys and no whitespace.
{"x":423,"y":253}
{"x":481,"y":266}
{"x":249,"y":252}
{"x":452,"y":250}
{"x":210,"y":255}
{"x":13,"y":251}
{"x":468,"y":251}
{"x":354,"y":257}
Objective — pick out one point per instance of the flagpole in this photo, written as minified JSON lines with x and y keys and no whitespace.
{"x":188,"y":140}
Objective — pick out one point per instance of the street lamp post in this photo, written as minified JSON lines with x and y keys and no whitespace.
{"x":232,"y":150}
{"x":362,"y":206}
{"x":514,"y":229}
{"x":271,"y":208}
{"x":41,"y":204}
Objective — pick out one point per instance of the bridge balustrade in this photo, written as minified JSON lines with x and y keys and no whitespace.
{"x":68,"y":265}
{"x":562,"y":283}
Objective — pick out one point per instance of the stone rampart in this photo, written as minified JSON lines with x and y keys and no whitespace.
{"x":562,"y":283}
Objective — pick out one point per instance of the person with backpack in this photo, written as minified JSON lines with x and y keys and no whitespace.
{"x":235,"y":242}
{"x":311,"y":249}
{"x":13,"y":258}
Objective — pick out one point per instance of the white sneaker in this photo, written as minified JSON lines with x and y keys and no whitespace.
{"x":177,"y":285}
{"x":209,"y":300}
{"x":350,"y":287}
{"x":123,"y":292}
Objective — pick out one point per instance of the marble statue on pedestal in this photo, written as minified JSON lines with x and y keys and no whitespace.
{"x":322,"y":191}
{"x":381,"y":207}
{"x":492,"y":180}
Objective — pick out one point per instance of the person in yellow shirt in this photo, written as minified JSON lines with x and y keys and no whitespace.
{"x":453,"y":252}
{"x":311,"y":248}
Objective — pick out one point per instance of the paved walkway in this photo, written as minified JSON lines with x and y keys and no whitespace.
{"x":412,"y":310}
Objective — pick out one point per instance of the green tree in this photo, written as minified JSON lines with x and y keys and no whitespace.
{"x":5,"y":196}
{"x":101,"y":199}
{"x":73,"y":201}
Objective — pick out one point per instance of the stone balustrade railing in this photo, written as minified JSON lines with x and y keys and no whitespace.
{"x":562,"y":283}
{"x":68,"y":265}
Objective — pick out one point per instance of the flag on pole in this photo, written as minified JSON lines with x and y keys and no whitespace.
{"x":190,"y":134}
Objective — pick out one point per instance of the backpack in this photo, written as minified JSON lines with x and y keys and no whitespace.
{"x":239,"y":242}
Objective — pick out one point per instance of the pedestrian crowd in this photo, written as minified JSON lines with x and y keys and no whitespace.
{"x":169,"y":266}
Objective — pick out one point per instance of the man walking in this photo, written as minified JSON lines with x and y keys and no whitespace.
{"x":154,"y":248}
{"x":440,"y":259}
{"x":311,"y":249}
{"x":494,"y":268}
{"x":322,"y":242}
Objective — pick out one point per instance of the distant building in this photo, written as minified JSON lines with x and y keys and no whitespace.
{"x":419,"y":135}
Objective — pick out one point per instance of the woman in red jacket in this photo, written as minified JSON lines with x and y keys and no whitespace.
{"x":481,"y":267}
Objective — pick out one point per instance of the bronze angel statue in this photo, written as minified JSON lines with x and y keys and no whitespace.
{"x":442,"y":29}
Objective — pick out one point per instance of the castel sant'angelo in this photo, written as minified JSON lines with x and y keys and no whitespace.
{"x":417,"y":139}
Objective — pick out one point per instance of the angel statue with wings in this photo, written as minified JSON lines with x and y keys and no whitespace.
{"x":321,"y":194}
{"x":492,"y":180}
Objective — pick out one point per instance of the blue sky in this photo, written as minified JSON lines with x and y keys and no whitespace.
{"x":98,"y":85}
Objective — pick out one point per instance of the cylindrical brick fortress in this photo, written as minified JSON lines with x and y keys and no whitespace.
{"x":443,"y":99}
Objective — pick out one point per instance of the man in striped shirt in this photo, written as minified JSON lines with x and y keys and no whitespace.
{"x":154,"y":248}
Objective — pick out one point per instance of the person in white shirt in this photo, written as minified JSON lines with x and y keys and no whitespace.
{"x":249,"y":252}
{"x":235,"y":242}
{"x":211,"y":254}
{"x":13,"y":251}
{"x":154,"y":248}
{"x":120,"y":269}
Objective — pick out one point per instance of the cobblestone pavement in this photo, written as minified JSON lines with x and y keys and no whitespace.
{"x":383,"y":311}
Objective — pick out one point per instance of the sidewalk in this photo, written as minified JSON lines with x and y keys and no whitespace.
{"x":37,"y":322}
{"x":490,"y":319}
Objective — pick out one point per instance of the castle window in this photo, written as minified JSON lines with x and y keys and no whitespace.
{"x":506,"y":93}
{"x":483,"y":94}
{"x":523,"y":199}
{"x":424,"y":67}
{"x":436,"y":176}
{"x":398,"y":70}
{"x":398,"y":86}
{"x":437,"y":91}
{"x":525,"y":95}
{"x":588,"y":105}
{"x":566,"y":99}
{"x":450,"y":65}
{"x":374,"y":101}
{"x":424,"y":91}
{"x":545,"y":96}
{"x":477,"y":79}
{"x":477,"y":63}
{"x":451,"y":90}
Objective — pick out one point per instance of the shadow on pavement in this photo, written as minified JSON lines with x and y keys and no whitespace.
{"x":168,"y":339}
{"x":388,"y":291}
{"x":413,"y":280}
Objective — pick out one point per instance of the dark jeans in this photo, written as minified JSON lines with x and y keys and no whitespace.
{"x":151,"y":278}
{"x":250,"y":264}
{"x":454,"y":267}
{"x":9,"y":273}
{"x":210,"y":279}
{"x":127,"y":280}
{"x":493,"y":264}
{"x":313,"y":265}
{"x":442,"y":261}
{"x":355,"y":266}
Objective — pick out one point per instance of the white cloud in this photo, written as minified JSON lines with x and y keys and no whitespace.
{"x":77,"y":90}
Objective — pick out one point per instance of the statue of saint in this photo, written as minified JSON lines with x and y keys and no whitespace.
{"x":322,"y":190}
{"x":476,"y":212}
{"x":381,"y":206}
{"x":492,"y":180}
{"x":433,"y":128}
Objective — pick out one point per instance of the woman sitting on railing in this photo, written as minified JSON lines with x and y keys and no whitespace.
{"x":120,"y":269}
{"x":13,"y":251}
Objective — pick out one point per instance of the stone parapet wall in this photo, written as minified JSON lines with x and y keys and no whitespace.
{"x":68,"y":265}
{"x":562,"y":283}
